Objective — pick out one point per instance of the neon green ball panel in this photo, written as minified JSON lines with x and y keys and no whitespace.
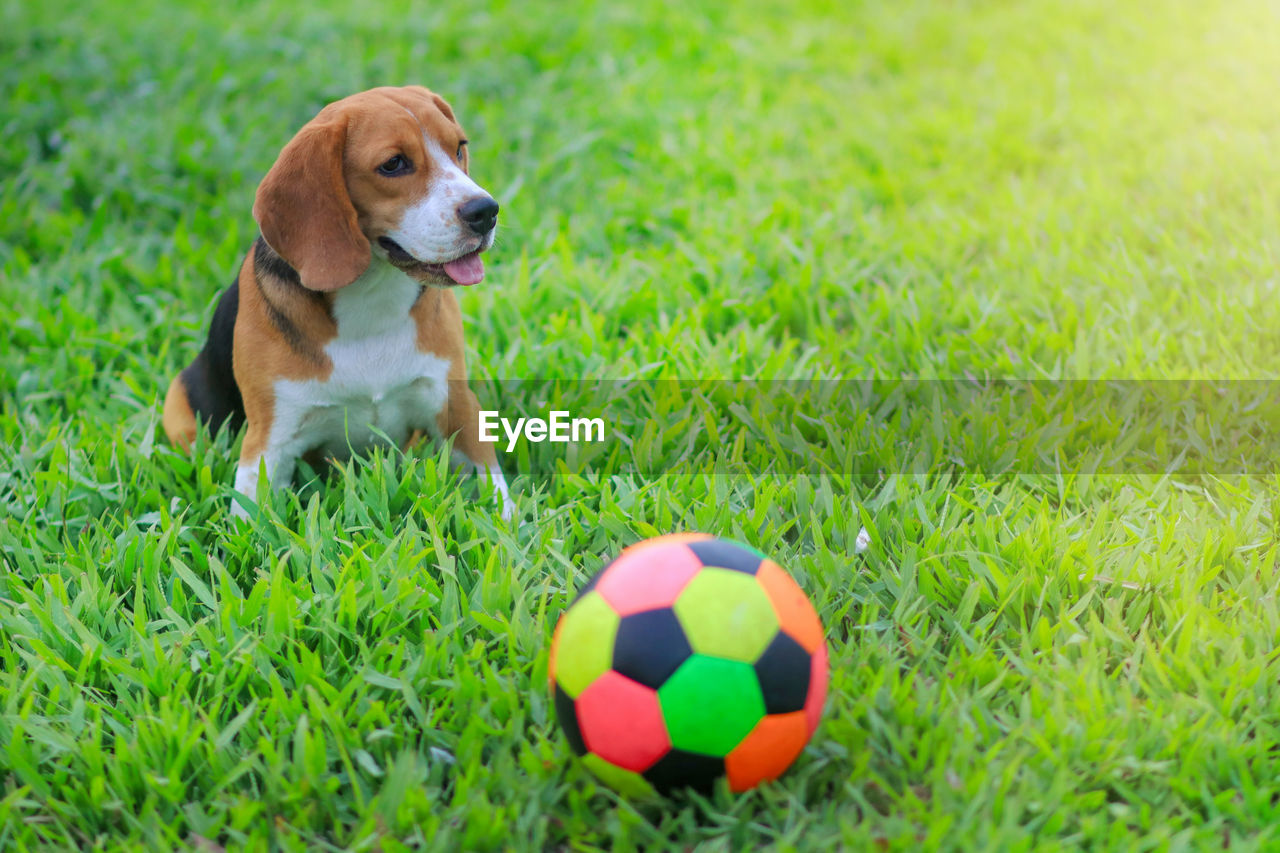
{"x":711,"y":704}
{"x":585,"y":649}
{"x":726,"y":614}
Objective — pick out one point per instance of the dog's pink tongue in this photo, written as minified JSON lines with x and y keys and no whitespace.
{"x":468,"y":269}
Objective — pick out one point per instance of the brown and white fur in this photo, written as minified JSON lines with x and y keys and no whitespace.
{"x":342,"y":325}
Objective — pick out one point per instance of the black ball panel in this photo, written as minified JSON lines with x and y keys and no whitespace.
{"x":725,"y":555}
{"x":783,"y":672}
{"x":650,"y":646}
{"x":567,"y":714}
{"x":679,"y":769}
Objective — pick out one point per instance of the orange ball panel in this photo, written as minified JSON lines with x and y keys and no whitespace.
{"x":796,"y":615}
{"x":770,"y":749}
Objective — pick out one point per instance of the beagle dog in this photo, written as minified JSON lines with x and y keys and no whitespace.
{"x":342,"y":328}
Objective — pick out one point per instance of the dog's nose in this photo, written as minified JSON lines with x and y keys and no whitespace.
{"x":479,"y":214}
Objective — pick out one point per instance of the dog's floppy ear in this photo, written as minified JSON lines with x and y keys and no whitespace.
{"x":305,"y":212}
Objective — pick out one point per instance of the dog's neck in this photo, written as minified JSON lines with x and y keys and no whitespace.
{"x":379,"y":300}
{"x":376,"y":302}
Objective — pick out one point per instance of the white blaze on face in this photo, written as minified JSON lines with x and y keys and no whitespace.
{"x":430,"y":229}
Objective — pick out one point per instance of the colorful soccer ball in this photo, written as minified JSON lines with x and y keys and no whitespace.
{"x":686,"y":659}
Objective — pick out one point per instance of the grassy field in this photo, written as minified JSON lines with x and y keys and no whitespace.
{"x":1024,"y":658}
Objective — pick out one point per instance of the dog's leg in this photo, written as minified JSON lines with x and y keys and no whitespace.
{"x":461,"y":419}
{"x":269,"y":447}
{"x":179,"y":419}
{"x":206,"y":390}
{"x":279,"y":469}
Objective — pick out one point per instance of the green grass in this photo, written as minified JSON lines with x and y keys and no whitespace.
{"x":1025,"y":658}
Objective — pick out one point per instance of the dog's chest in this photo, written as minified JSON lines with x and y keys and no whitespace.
{"x":381,"y":387}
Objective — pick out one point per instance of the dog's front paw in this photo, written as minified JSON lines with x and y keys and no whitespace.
{"x":506,"y":505}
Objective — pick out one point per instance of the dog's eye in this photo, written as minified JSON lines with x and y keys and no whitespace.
{"x":461,"y":150}
{"x":397,"y":165}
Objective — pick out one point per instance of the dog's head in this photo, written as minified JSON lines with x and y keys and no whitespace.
{"x":385,"y":173}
